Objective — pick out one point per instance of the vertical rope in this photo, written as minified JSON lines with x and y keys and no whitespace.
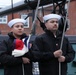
{"x":12,"y":8}
{"x":36,"y":12}
{"x":63,"y":35}
{"x":23,"y":69}
{"x":33,"y":24}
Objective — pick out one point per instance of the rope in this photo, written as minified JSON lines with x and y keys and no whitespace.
{"x":12,"y":9}
{"x":63,"y":36}
{"x":23,"y":71}
{"x":33,"y":24}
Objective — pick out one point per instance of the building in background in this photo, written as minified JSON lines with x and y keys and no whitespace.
{"x":38,"y":30}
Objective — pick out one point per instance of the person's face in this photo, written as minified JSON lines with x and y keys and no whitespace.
{"x":52,"y":24}
{"x":18,"y":29}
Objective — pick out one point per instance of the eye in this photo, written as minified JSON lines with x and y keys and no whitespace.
{"x":17,"y":26}
{"x":56,"y":21}
{"x":53,"y":21}
{"x":22,"y":26}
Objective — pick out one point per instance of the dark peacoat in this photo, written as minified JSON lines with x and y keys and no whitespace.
{"x":47,"y":44}
{"x":12,"y":65}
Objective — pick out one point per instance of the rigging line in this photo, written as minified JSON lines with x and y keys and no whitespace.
{"x":64,"y":25}
{"x":33,"y":24}
{"x":53,"y":7}
{"x":43,"y":10}
{"x":63,"y":34}
{"x":26,"y":17}
{"x":12,"y":8}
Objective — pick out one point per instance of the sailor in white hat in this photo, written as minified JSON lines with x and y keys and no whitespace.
{"x":17,"y":27}
{"x":49,"y":44}
{"x":13,"y":50}
{"x":52,"y":22}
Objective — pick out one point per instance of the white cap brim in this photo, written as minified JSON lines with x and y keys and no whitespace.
{"x":12,"y":22}
{"x":51,"y":16}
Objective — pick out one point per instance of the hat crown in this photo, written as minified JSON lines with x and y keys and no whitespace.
{"x":13,"y":21}
{"x":51,"y":16}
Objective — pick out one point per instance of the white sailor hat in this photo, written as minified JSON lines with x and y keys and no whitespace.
{"x":51,"y":16}
{"x":13,"y":21}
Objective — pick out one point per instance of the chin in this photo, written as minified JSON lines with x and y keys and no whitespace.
{"x":20,"y":33}
{"x":55,"y":29}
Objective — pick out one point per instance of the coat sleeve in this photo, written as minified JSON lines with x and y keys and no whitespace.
{"x":38,"y":53}
{"x":5,"y":56}
{"x":70,"y":53}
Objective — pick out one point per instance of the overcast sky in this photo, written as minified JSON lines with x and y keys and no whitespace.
{"x":4,"y":3}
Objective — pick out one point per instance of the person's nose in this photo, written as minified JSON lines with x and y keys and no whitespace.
{"x":20,"y":27}
{"x":55,"y":23}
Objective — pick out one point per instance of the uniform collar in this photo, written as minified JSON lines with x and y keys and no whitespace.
{"x":11,"y":35}
{"x":58,"y":33}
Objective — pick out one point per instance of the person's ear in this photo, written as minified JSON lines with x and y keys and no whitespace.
{"x":11,"y":29}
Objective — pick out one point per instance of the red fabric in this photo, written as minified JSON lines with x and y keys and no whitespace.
{"x":19,"y":44}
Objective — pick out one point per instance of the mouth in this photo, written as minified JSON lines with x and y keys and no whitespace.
{"x":19,"y":31}
{"x":55,"y":26}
